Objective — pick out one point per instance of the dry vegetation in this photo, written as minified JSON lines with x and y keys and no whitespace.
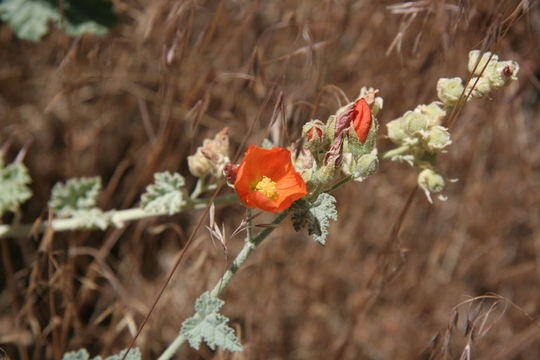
{"x":172,"y":73}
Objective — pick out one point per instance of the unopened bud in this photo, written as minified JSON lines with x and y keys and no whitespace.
{"x":501,"y":73}
{"x":482,"y":88}
{"x":430,"y":182}
{"x":375,"y":102}
{"x":313,"y":133}
{"x":395,"y":131}
{"x":474,"y":56}
{"x":211,"y":157}
{"x":438,"y":138}
{"x":449,"y":90}
{"x":199,"y":165}
{"x":366,"y":165}
{"x":433,"y":112}
{"x":414,"y":123}
{"x":324,"y":175}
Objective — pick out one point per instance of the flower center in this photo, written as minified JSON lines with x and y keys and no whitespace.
{"x":267,"y":187}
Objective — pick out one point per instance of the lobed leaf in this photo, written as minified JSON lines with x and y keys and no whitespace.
{"x":14,"y":190}
{"x":315,"y":216}
{"x":31,"y":19}
{"x":208,"y":325}
{"x":75,"y":195}
{"x":165,"y":195}
{"x":82,"y":354}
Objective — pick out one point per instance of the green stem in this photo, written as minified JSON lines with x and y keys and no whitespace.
{"x":118,"y":218}
{"x":397,"y":151}
{"x":339,"y":183}
{"x":199,"y":188}
{"x":249,"y":246}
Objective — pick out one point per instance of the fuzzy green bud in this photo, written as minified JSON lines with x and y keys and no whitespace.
{"x":482,"y":88}
{"x":324,"y":175}
{"x":395,"y":131}
{"x":313,"y":133}
{"x":500,"y":73}
{"x":438,"y":138}
{"x":449,"y":90}
{"x":366,"y":165}
{"x":474,"y":57}
{"x":430,"y":182}
{"x":434,"y":113}
{"x":414,"y":122}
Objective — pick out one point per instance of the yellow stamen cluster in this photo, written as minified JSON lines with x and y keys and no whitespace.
{"x":267,"y":187}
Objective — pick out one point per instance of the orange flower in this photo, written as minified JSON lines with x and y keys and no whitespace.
{"x":361,"y":119}
{"x":267,"y":180}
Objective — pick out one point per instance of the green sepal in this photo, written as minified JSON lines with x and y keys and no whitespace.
{"x":357,"y":148}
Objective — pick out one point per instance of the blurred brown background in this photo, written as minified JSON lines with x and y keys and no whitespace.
{"x":142,"y":98}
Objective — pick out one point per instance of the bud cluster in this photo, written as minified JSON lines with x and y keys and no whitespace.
{"x":345,"y":144}
{"x":210,"y":158}
{"x":488,"y":74}
{"x":420,"y":134}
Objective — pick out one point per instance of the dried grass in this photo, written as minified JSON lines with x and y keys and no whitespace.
{"x":141,"y":99}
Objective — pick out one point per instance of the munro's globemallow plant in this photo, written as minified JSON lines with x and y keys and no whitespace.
{"x":286,"y":181}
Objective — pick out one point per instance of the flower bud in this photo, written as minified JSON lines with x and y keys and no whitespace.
{"x":199,"y":165}
{"x":430,"y":182}
{"x":474,"y":55}
{"x":313,"y":133}
{"x":324,"y":175}
{"x":395,"y":131}
{"x":500,"y":73}
{"x":433,"y":112}
{"x":438,"y":138}
{"x":482,"y":88}
{"x":375,"y":102}
{"x":449,"y":90}
{"x":366,"y":165}
{"x":210,"y":158}
{"x":414,"y":123}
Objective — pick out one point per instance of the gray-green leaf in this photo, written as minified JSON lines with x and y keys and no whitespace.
{"x":208,"y":325}
{"x":82,"y":354}
{"x":316,"y":216}
{"x":30,"y":19}
{"x":76,"y":194}
{"x":165,"y":195}
{"x":14,"y":190}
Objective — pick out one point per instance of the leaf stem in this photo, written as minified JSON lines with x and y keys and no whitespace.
{"x":250,"y":245}
{"x":118,"y":218}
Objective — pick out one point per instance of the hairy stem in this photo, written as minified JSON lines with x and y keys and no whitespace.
{"x":397,"y":151}
{"x":250,"y":245}
{"x":118,"y":218}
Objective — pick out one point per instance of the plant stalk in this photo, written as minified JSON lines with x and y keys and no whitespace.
{"x":118,"y":218}
{"x":250,"y":245}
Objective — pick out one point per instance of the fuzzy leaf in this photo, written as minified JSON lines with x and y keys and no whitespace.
{"x":134,"y":354}
{"x":14,"y":190}
{"x":315,"y":216}
{"x":165,"y":195}
{"x":208,"y":325}
{"x":76,"y":194}
{"x":81,"y":354}
{"x":30,"y":19}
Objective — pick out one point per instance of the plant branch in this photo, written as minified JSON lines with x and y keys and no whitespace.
{"x":250,"y":245}
{"x":117,"y":218}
